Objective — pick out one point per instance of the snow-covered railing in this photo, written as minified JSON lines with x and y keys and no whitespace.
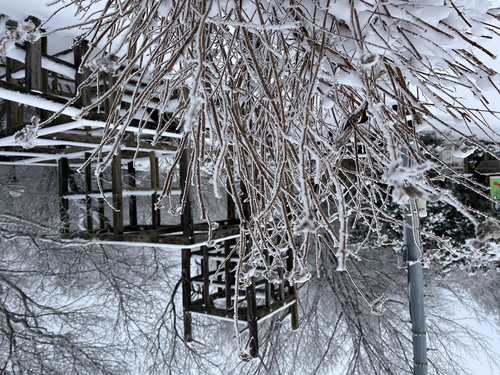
{"x":38,"y":92}
{"x":40,"y":111}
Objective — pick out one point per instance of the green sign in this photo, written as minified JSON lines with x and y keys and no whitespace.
{"x":495,"y":192}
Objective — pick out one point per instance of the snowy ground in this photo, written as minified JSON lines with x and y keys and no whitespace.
{"x":480,"y":366}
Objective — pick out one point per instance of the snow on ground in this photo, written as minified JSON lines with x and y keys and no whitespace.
{"x":465,"y":314}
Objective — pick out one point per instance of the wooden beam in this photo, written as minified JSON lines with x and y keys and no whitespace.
{"x":212,"y":311}
{"x":102,"y":216}
{"x":50,"y":63}
{"x":43,"y":99}
{"x":275,"y":306}
{"x":221,"y":233}
{"x":14,"y":111}
{"x":94,"y":140}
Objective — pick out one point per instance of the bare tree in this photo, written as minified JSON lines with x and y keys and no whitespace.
{"x":339,"y":333}
{"x":68,"y":306}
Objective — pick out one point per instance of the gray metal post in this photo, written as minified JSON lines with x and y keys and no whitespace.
{"x":416,"y":286}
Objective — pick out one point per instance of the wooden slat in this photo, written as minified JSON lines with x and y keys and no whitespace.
{"x":268,"y":284}
{"x":252,"y":321}
{"x":229,"y":279}
{"x":36,"y":77}
{"x":228,"y":314}
{"x":276,"y":305}
{"x":136,"y":237}
{"x":292,"y":291}
{"x":14,"y":110}
{"x":205,"y":271}
{"x":88,"y":200}
{"x":63,"y":189}
{"x":188,"y":233}
{"x":132,"y":201}
{"x":155,"y":177}
{"x":186,"y":294}
{"x":186,"y":217}
{"x":116,"y":177}
{"x":80,"y":49}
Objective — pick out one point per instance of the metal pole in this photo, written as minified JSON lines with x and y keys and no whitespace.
{"x":416,"y":286}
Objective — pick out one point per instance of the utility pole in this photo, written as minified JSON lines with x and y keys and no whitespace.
{"x":415,"y":284}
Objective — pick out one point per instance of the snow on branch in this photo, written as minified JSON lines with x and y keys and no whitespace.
{"x":305,"y":105}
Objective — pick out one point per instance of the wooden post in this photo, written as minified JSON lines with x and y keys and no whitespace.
{"x":63,"y":169}
{"x":100,"y":210}
{"x":35,"y":76}
{"x":229,"y":279}
{"x":79,"y":51}
{"x":188,"y":231}
{"x":231,"y":207}
{"x":252,"y":320}
{"x":14,"y":111}
{"x":117,"y":188}
{"x":12,"y":108}
{"x":231,"y":289}
{"x":155,"y":177}
{"x":132,"y":204}
{"x":281,"y":287}
{"x":186,"y":294}
{"x":250,"y":291}
{"x":187,"y":216}
{"x":205,"y":271}
{"x":292,"y":289}
{"x":267,"y":284}
{"x":88,"y":189}
{"x":109,"y":81}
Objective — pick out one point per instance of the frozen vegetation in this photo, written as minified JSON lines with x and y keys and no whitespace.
{"x":304,"y":113}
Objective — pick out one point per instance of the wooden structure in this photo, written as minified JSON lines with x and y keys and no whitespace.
{"x":119,"y":205}
{"x":213,"y":292}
